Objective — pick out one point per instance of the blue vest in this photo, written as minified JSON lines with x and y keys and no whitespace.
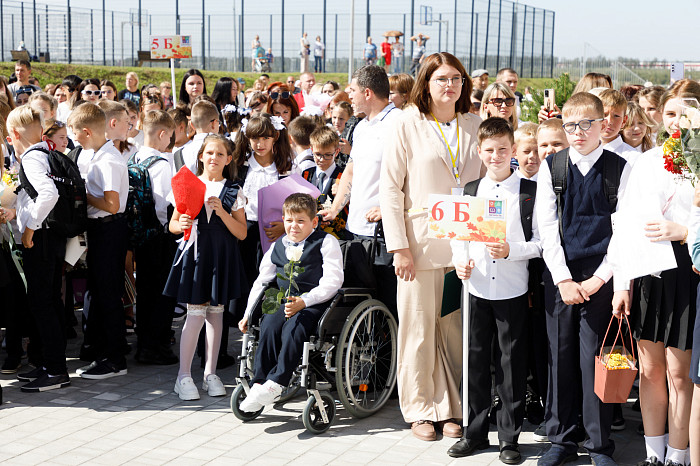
{"x":311,"y":260}
{"x":586,"y":221}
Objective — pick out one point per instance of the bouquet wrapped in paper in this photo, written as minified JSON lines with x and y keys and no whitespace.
{"x":188,"y":191}
{"x":681,"y":150}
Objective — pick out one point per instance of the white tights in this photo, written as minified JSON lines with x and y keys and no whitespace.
{"x":197,"y":315}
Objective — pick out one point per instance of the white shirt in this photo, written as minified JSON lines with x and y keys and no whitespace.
{"x":367,"y":151}
{"x":328,"y":285}
{"x":524,"y":176}
{"x":258,"y":177}
{"x":107,"y":172}
{"x":161,"y":176}
{"x":137,"y":141}
{"x":504,"y":278}
{"x":450,"y":134}
{"x":318,"y":48}
{"x":191,"y":149}
{"x":622,"y":149}
{"x":32,"y":213}
{"x":63,"y":111}
{"x":299,"y":164}
{"x":547,"y":221}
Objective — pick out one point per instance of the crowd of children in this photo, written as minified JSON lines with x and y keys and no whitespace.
{"x":540,"y":302}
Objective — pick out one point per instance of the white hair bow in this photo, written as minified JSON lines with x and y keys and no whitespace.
{"x":244,"y":124}
{"x":312,"y":110}
{"x":230,"y":109}
{"x":243,"y":110}
{"x":277,"y":122}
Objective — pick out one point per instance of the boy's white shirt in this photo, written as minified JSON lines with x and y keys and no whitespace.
{"x":107,"y":171}
{"x":525,"y":177}
{"x":191,"y":149}
{"x":328,"y":285}
{"x":621,"y":148}
{"x":300,"y":164}
{"x":496,"y":279}
{"x":161,"y":176}
{"x":32,"y":213}
{"x":547,"y":221}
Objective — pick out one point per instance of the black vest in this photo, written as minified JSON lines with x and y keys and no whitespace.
{"x":311,"y":260}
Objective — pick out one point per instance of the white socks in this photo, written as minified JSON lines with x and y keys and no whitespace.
{"x":656,"y":446}
{"x":677,"y":456}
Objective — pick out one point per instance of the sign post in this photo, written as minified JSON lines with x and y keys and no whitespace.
{"x":463,"y":219}
{"x":171,"y":47}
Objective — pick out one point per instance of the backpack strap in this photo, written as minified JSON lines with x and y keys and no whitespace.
{"x":528,"y":191}
{"x":471,"y":188}
{"x":150,"y":161}
{"x":24,"y":182}
{"x":611,"y":176}
{"x":74,"y":154}
{"x":179,"y":160}
{"x":560,"y":174}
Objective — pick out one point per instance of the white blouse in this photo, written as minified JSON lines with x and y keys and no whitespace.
{"x":258,"y":177}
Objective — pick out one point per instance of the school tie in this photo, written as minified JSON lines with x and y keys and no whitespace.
{"x":319,"y":181}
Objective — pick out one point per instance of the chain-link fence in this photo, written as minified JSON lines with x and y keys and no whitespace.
{"x":482,"y":33}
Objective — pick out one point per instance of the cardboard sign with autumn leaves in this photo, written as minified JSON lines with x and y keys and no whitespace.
{"x":466,"y":218}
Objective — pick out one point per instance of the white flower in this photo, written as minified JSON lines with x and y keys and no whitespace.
{"x":693,"y":114}
{"x":684,"y":122}
{"x":293,"y":253}
{"x":277,"y":122}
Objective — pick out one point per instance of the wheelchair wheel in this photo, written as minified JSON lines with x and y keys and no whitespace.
{"x":236,"y":399}
{"x":291,"y":390}
{"x":366,"y":358}
{"x":313,"y":421}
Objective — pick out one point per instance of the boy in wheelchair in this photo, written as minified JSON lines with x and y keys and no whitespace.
{"x":282,"y":334}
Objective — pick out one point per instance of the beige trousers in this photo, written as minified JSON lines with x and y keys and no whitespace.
{"x":429,"y":350}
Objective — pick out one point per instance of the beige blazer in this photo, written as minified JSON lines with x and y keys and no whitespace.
{"x":415,"y":164}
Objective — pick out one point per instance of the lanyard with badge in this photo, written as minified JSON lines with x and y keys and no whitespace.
{"x":453,"y":157}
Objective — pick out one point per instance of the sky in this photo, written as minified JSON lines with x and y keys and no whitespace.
{"x":637,"y":29}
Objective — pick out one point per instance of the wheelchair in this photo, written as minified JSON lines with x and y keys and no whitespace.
{"x":352,"y":354}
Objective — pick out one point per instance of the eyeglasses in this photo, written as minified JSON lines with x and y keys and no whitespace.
{"x":275,"y":95}
{"x":585,"y":125}
{"x":497,"y":102}
{"x":324,"y":156}
{"x":456,"y":81}
{"x":95,"y":93}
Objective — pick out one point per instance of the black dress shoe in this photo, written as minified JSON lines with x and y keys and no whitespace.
{"x":556,"y":456}
{"x":467,"y":446}
{"x":510,"y":453}
{"x":155,"y":357}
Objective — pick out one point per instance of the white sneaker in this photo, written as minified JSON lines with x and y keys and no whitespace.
{"x":83,"y":369}
{"x":269,"y":392}
{"x":214,"y":386}
{"x":250,"y":404}
{"x":186,"y":389}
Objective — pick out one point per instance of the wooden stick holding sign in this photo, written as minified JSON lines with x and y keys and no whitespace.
{"x":462,"y":219}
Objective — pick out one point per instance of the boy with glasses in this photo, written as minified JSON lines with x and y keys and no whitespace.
{"x":575,"y":201}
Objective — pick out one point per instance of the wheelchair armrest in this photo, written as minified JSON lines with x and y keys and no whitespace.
{"x":356,"y":292}
{"x":256,"y":314}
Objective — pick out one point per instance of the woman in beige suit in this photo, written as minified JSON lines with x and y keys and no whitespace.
{"x":433,"y":151}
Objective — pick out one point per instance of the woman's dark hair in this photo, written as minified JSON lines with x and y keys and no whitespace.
{"x":289,"y":102}
{"x":108,"y":83}
{"x":184,"y":96}
{"x":222,"y":92}
{"x":420,"y":95}
{"x":260,"y":126}
{"x":71,"y":82}
{"x":230,"y":170}
{"x":93,"y":81}
{"x":9,"y":100}
{"x":334,"y":84}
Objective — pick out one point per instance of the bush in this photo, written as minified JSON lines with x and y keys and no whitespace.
{"x":563,"y":88}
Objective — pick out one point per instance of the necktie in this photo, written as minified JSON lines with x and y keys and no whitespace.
{"x":319,"y":183}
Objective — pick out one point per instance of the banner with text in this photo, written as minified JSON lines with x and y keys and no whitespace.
{"x":166,"y":47}
{"x":466,"y":218}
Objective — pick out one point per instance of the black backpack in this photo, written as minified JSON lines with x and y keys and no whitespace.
{"x":560,"y":174}
{"x":528,"y":190}
{"x":68,"y":218}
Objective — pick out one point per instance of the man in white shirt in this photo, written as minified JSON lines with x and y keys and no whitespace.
{"x":369,"y":92}
{"x":23,"y":71}
{"x":43,"y":251}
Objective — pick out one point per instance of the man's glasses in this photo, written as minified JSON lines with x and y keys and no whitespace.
{"x":585,"y":125}
{"x":324,"y":156}
{"x":457,"y":81}
{"x":497,"y":102}
{"x":275,"y":95}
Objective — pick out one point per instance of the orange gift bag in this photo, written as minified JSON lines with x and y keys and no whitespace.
{"x":615,"y":368}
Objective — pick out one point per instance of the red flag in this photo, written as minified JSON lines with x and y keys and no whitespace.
{"x":188,"y":191}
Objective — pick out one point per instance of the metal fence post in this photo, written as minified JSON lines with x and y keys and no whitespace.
{"x":2,"y":32}
{"x":544,"y":22}
{"x":551,"y":56}
{"x":325,"y":43}
{"x":471,"y":37}
{"x":104,"y":35}
{"x":22,"y":22}
{"x":242,"y":35}
{"x":204,"y":59}
{"x":270,"y":35}
{"x":532,"y":46}
{"x":522,"y":46}
{"x":282,"y":37}
{"x":498,"y":44}
{"x":454,"y":34}
{"x":70,"y":57}
{"x":413,"y":20}
{"x":486,"y":44}
{"x":403,"y":39}
{"x":113,"y":42}
{"x":513,"y":41}
{"x":48,"y":44}
{"x":440,"y":32}
{"x":34,"y":22}
{"x":209,"y":36}
{"x":335,"y":46}
{"x":368,"y":22}
{"x":92,"y":38}
{"x":476,"y":39}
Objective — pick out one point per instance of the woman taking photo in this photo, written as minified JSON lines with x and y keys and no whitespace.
{"x":432,"y":151}
{"x":192,"y":86}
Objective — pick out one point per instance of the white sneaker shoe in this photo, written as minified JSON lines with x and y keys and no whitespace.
{"x":250,"y":404}
{"x":269,"y":392}
{"x":214,"y":386}
{"x":186,"y":389}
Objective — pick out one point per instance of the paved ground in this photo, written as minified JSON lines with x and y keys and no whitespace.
{"x":137,"y":419}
